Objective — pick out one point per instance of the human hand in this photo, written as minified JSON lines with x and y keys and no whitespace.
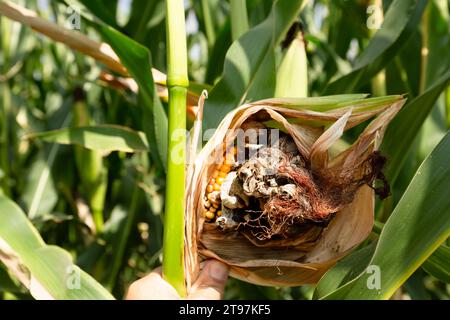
{"x":208,"y":286}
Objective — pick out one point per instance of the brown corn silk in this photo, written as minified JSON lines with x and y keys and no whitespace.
{"x":294,"y":264}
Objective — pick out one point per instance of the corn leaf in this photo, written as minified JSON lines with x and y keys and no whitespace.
{"x":328,"y":103}
{"x":438,"y":265}
{"x":399,"y":23}
{"x":136,"y":58}
{"x":405,"y":126}
{"x":249,"y":69}
{"x":218,"y":53}
{"x":345,"y":270}
{"x":6,"y":283}
{"x":416,"y":228}
{"x":103,"y":9}
{"x":103,"y":138}
{"x":50,"y":272}
{"x":40,"y":196}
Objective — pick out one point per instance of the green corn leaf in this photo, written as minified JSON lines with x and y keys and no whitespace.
{"x":399,"y":23}
{"x":249,"y":69}
{"x":136,"y":58}
{"x":105,"y":138}
{"x":144,"y":15}
{"x":6,"y":283}
{"x":438,"y":264}
{"x":40,"y":195}
{"x":405,"y":126}
{"x":105,"y":10}
{"x":345,"y":270}
{"x":50,"y":271}
{"x":416,"y":228}
{"x":218,"y":53}
{"x":329,"y":103}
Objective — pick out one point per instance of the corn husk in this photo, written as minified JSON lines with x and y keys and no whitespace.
{"x":314,"y":133}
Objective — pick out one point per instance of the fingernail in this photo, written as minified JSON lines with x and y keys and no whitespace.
{"x":218,"y":271}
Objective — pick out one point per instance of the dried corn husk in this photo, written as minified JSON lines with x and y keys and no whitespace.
{"x":314,"y":130}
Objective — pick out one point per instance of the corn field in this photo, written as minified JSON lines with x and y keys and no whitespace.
{"x":112,"y":110}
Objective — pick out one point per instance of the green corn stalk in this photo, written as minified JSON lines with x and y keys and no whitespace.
{"x":90,"y":166}
{"x":292,"y":75}
{"x":239,"y":18}
{"x":177,"y":81}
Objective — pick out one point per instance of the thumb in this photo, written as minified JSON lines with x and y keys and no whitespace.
{"x":211,"y":281}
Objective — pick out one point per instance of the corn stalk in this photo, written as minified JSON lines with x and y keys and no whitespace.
{"x":177,"y":81}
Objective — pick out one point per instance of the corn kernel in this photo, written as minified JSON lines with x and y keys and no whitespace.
{"x":219,"y":180}
{"x":212,"y":181}
{"x":225,"y":168}
{"x":209,"y":188}
{"x":222,"y":174}
{"x":216,"y":187}
{"x":219,"y":213}
{"x":215,"y":173}
{"x":215,"y":205}
{"x":207,"y":204}
{"x":212,"y":209}
{"x":209,"y":215}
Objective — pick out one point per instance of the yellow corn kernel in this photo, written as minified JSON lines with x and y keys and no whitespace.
{"x":209,"y":215}
{"x":216,"y":187}
{"x":215,"y":173}
{"x":219,"y":180}
{"x":215,"y":205}
{"x":212,"y":181}
{"x":225,"y":168}
{"x":222,"y":174}
{"x":212,"y":209}
{"x":219,"y":213}
{"x":209,"y":188}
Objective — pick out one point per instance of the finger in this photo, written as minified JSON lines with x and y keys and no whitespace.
{"x":211,"y":282}
{"x":151,"y":287}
